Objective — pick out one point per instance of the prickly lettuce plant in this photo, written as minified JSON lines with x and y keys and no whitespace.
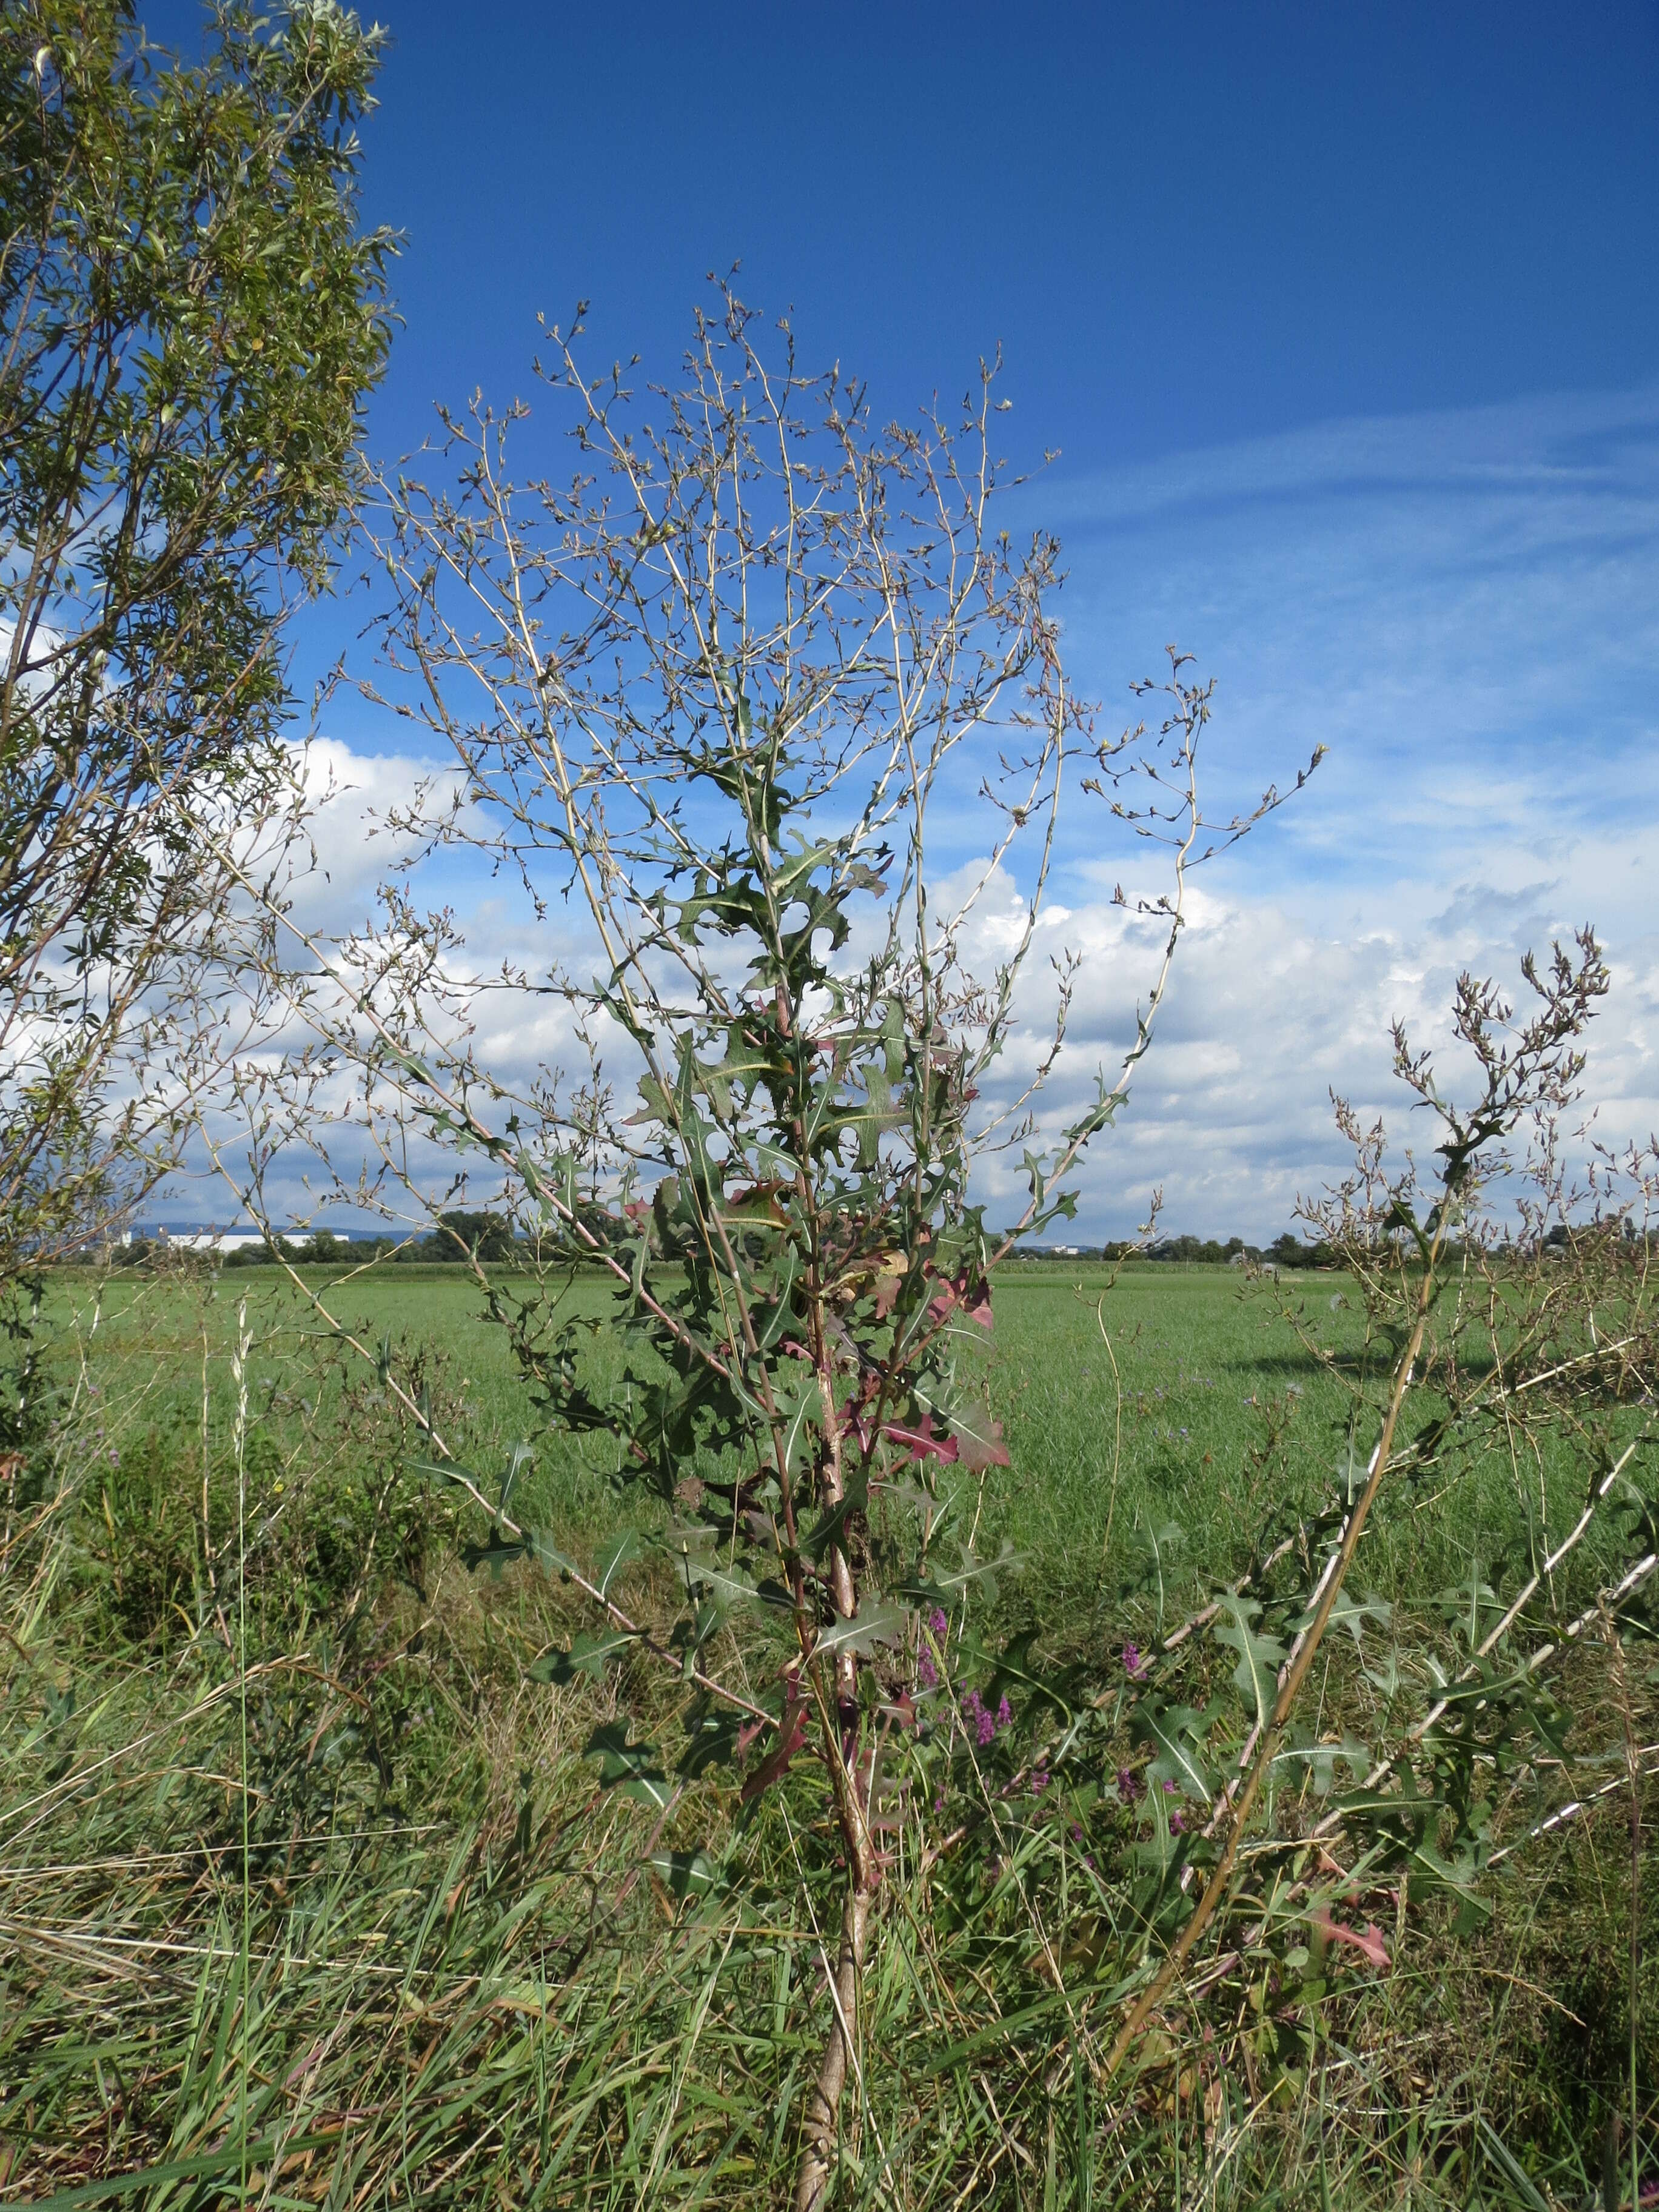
{"x":757,"y":711}
{"x":806,"y":1283}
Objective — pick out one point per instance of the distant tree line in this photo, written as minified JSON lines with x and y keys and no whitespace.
{"x":1289,"y":1250}
{"x":462,"y":1235}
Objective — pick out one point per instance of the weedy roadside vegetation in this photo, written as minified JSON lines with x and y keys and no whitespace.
{"x":745,"y":1818}
{"x":458,"y":1964}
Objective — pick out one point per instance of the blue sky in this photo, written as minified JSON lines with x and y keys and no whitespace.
{"x":1188,"y":225}
{"x":1345,"y":321}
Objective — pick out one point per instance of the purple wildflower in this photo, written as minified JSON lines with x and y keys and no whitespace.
{"x":1039,"y":1781}
{"x":1005,"y":1713}
{"x":1133,"y":1665}
{"x":1169,"y":1789}
{"x":1129,"y":1785}
{"x":937,"y":1621}
{"x":1177,"y":1825}
{"x":984,"y":1723}
{"x":926,"y":1672}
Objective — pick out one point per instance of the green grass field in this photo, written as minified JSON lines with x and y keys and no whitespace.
{"x":420,"y":1958}
{"x":1163,"y":1396}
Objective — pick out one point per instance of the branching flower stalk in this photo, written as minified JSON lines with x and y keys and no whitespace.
{"x":1538,"y":1072}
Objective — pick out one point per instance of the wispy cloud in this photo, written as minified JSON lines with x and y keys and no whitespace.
{"x":1465,"y":608}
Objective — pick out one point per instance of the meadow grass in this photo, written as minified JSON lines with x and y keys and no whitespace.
{"x":307,"y":1895}
{"x":1130,"y":1400}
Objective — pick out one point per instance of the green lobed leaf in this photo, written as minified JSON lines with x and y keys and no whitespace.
{"x":800,"y":1409}
{"x":871,"y":1625}
{"x":831,"y":1527}
{"x":614,"y":1557}
{"x":588,"y":1654}
{"x":1176,"y":1735}
{"x":1260,"y":1657}
{"x":523,"y":1456}
{"x":634,"y":1769}
{"x":687,"y":1874}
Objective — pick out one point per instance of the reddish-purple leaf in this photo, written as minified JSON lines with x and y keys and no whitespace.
{"x":792,"y":1734}
{"x":921,"y":1441}
{"x":980,"y":1446}
{"x":1369,"y":1942}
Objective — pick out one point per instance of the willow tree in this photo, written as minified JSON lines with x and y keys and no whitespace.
{"x":191,"y":318}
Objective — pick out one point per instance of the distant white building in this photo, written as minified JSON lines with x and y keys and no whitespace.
{"x":209,"y":1240}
